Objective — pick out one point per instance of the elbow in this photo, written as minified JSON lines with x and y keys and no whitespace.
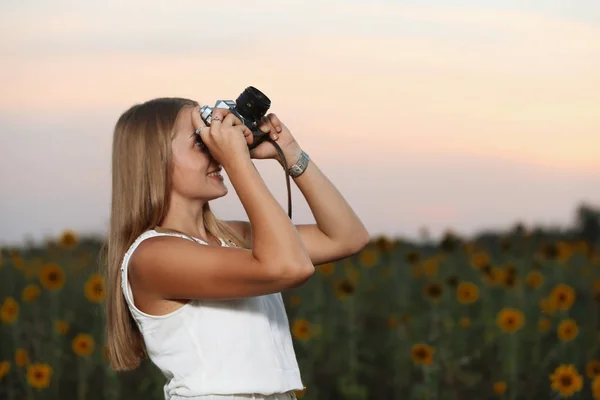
{"x":293,"y":272}
{"x":358,"y":240}
{"x":299,"y":272}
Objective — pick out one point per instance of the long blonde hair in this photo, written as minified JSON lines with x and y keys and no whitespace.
{"x":141,"y":186}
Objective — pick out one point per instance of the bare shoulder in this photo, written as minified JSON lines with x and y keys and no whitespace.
{"x":176,"y":268}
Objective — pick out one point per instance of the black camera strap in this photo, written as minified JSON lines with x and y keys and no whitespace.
{"x":287,"y":173}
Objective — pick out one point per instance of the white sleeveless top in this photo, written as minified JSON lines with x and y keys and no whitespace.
{"x":218,"y":346}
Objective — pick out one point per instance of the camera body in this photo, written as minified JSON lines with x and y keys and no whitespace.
{"x":250,"y":107}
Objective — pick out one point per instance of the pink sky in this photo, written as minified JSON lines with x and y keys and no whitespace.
{"x":469,"y":119}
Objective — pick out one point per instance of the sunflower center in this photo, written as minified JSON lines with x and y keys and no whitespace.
{"x":435,"y":291}
{"x":346,"y":287}
{"x":566,"y":380}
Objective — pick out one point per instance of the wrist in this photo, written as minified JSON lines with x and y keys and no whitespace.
{"x":291,"y":157}
{"x":237,"y":164}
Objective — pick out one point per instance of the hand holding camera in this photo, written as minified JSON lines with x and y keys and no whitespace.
{"x":278,"y":132}
{"x":227,"y":138}
{"x":247,"y":115}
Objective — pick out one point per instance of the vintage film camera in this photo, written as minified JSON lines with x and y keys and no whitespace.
{"x":250,"y":106}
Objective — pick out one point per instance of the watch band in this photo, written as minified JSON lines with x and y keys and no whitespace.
{"x":300,"y":166}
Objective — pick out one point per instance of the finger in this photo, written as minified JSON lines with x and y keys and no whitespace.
{"x":202,"y":136}
{"x":269,"y":128}
{"x":264,"y":125}
{"x":196,"y":120}
{"x":247,"y":134}
{"x":203,"y":132}
{"x":275,"y":122}
{"x":216,"y":119}
{"x":232,"y":120}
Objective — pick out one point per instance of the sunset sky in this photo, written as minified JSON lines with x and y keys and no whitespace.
{"x":437,"y":114}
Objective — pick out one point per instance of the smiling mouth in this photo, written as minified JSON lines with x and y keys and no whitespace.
{"x":215,"y":173}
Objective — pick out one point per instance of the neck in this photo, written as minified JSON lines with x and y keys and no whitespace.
{"x":186,"y":217}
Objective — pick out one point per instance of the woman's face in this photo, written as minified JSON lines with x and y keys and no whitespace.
{"x":196,"y":175}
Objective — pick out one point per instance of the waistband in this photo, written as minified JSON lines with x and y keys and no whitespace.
{"x":291,"y":395}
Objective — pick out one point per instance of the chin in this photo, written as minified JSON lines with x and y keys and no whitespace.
{"x":219,"y":194}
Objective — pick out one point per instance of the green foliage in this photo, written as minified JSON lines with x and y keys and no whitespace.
{"x":399,"y":320}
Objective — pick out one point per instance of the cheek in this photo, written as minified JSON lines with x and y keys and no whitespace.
{"x":188,"y":167}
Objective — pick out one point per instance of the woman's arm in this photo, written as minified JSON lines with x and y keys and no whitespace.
{"x":338,"y":232}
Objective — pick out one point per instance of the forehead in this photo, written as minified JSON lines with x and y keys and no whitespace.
{"x":184,"y":121}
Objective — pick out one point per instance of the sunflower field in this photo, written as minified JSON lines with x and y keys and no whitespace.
{"x":512,"y":315}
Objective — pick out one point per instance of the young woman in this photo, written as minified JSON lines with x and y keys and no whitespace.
{"x":197,"y":295}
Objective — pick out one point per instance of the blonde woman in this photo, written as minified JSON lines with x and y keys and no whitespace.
{"x":201,"y":297}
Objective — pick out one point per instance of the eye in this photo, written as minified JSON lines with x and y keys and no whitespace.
{"x":199,"y":143}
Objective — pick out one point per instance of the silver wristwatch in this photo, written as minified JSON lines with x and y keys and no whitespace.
{"x":297,"y":169}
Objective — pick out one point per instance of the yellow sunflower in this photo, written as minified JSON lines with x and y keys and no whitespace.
{"x":480,"y":259}
{"x":352,"y":273}
{"x":510,"y":320}
{"x":566,"y":380}
{"x":4,"y":368}
{"x":38,"y":375}
{"x":68,"y":240}
{"x":534,"y":279}
{"x":494,"y":276}
{"x":301,"y":329}
{"x":592,"y":369}
{"x":326,"y":269}
{"x":567,"y":330}
{"x":94,"y":289}
{"x":343,"y":288}
{"x":547,"y":305}
{"x":21,"y":357}
{"x":61,"y":326}
{"x":464,"y":322}
{"x":563,"y":296}
{"x":467,"y":293}
{"x":422,"y":354}
{"x":544,"y":325}
{"x":83,"y":344}
{"x":596,"y":388}
{"x":433,"y":291}
{"x":500,"y":387}
{"x":368,"y":258}
{"x":565,"y":250}
{"x":52,"y":277}
{"x":386,"y":244}
{"x":9,"y":311}
{"x":31,"y":292}
{"x":430,"y":266}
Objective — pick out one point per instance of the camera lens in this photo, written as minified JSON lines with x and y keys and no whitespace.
{"x":252,"y":104}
